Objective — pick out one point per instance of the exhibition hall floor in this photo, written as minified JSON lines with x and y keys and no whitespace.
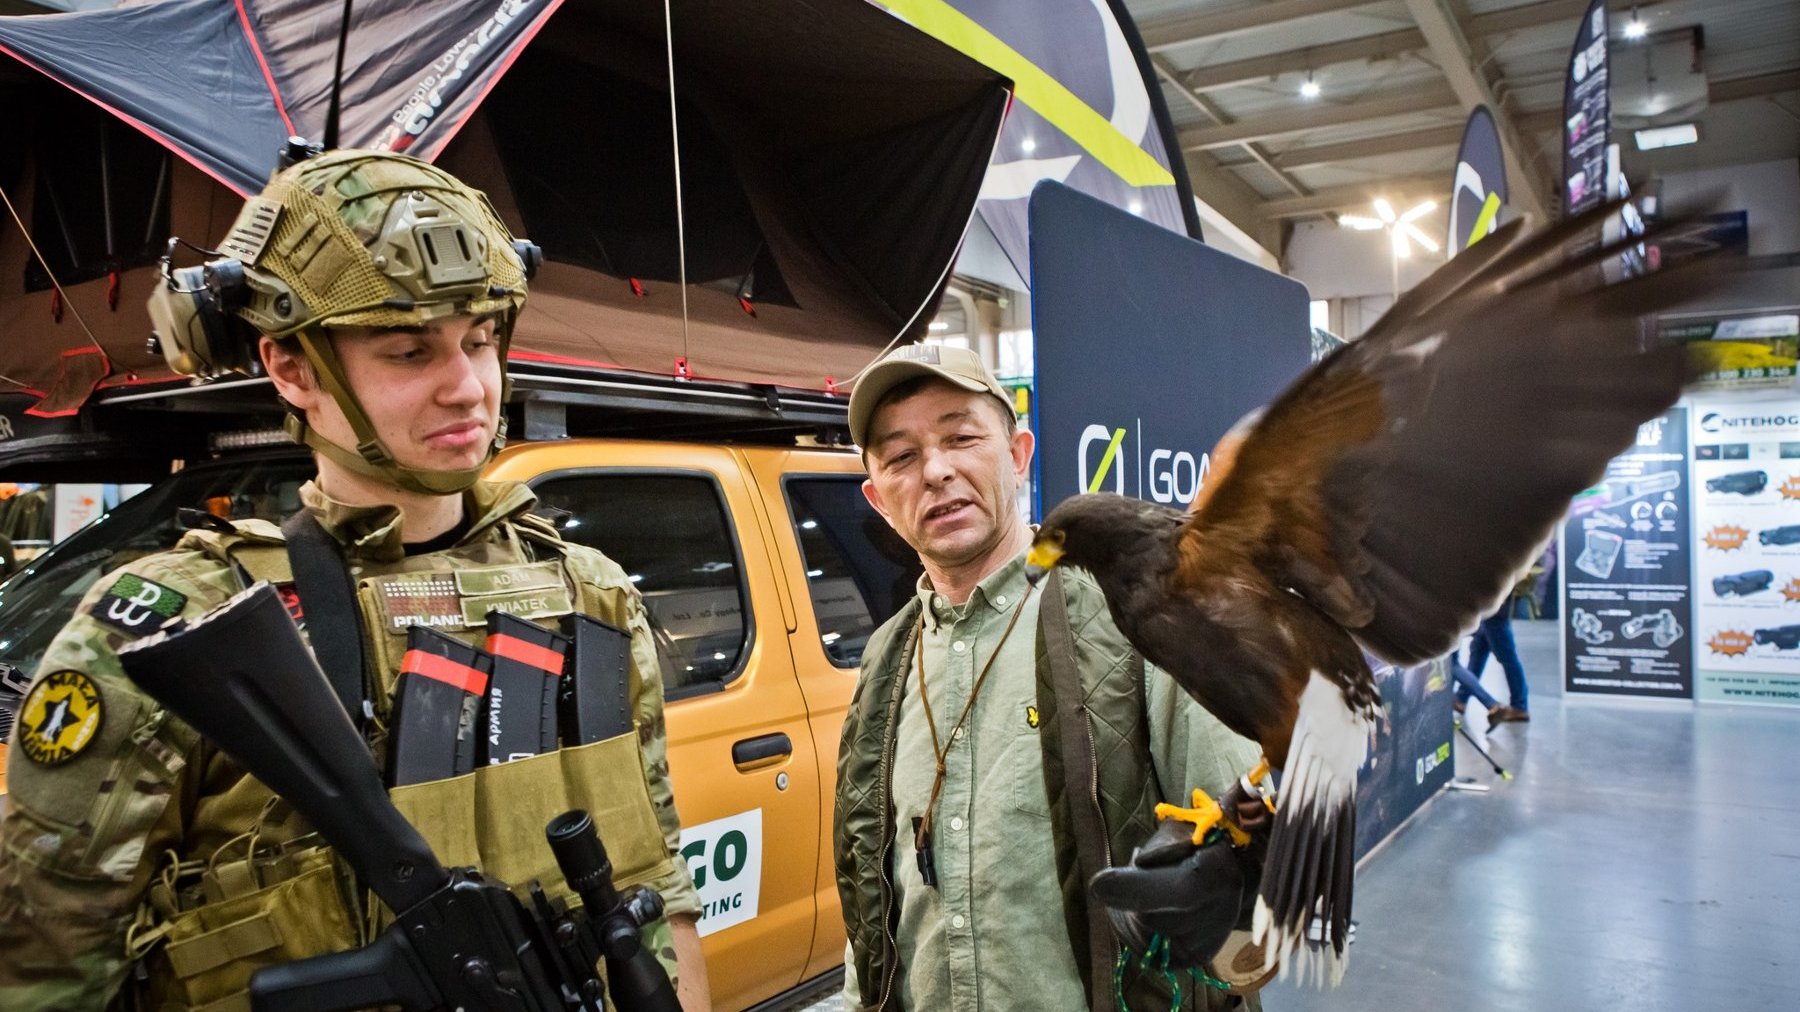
{"x":1645,"y":857}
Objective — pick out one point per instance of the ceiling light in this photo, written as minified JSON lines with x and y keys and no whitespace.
{"x":939,"y":326}
{"x":1667,"y":137}
{"x":1311,"y":88}
{"x":1636,"y":28}
{"x":1419,"y":210}
{"x":1384,"y":211}
{"x":1360,"y":223}
{"x":1401,"y":249}
{"x":1136,"y":207}
{"x":1028,"y":145}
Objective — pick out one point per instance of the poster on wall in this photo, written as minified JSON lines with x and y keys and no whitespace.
{"x":1411,"y":758}
{"x":1628,"y":604}
{"x":1586,"y":115}
{"x":1740,"y":351}
{"x":1747,"y":570}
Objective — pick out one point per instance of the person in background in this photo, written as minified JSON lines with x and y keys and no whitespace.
{"x":1495,"y":636}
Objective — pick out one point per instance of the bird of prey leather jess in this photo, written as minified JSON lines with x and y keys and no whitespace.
{"x":1387,"y":500}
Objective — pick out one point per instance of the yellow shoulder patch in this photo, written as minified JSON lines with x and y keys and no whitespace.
{"x":1031,"y":716}
{"x":60,"y":717}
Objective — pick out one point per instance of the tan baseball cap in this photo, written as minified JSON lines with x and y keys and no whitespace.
{"x":957,"y":366}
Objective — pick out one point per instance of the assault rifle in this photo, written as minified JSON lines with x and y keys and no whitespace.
{"x":242,"y":677}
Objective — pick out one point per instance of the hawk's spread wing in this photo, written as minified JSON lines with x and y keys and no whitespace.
{"x":1403,"y":481}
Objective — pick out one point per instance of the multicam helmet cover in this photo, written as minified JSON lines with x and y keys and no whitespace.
{"x":352,"y":238}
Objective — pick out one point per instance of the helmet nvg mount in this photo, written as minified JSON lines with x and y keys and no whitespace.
{"x":348,"y":238}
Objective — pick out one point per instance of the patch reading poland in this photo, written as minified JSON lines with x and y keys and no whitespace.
{"x":60,"y":717}
{"x":139,"y":606}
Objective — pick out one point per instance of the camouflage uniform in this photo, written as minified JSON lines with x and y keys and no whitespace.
{"x":116,"y":813}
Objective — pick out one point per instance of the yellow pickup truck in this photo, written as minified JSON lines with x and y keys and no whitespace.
{"x":763,"y":571}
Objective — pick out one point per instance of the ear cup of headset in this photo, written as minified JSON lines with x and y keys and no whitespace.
{"x":193,"y":333}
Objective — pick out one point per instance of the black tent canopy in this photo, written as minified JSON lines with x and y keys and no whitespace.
{"x":831,"y":158}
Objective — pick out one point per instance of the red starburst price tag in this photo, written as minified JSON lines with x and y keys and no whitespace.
{"x":1730,"y":643}
{"x":1726,"y":537}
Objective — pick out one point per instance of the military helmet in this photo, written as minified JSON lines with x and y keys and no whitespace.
{"x":348,"y":238}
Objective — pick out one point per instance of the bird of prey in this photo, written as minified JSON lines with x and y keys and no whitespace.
{"x":1388,"y":499}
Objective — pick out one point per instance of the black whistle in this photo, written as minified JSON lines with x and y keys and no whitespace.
{"x":922,"y":850}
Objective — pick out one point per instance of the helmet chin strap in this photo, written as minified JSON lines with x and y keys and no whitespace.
{"x":371,"y":457}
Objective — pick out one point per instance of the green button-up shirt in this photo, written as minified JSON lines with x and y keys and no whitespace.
{"x":991,"y":935}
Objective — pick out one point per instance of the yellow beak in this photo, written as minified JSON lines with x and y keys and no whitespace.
{"x":1042,"y":558}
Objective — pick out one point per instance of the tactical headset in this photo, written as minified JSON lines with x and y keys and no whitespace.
{"x":349,"y":238}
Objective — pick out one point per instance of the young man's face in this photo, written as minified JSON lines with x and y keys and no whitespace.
{"x":432,"y":393}
{"x":945,"y":475}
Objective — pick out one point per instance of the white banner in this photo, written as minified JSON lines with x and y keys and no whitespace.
{"x":1747,"y":551}
{"x":725,"y":858}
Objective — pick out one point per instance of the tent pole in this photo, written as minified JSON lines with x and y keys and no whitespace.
{"x":106,"y":208}
{"x":675,"y":135}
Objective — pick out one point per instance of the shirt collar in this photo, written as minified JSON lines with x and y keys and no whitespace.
{"x":373,"y":532}
{"x":999,"y":591}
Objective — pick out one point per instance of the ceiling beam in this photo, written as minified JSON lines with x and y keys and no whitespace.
{"x":1168,"y":33}
{"x":1262,"y":68}
{"x":1287,"y":122}
{"x":1530,"y":190}
{"x":1530,"y":123}
{"x":1753,"y":87}
{"x":1370,"y":147}
{"x":1524,"y":16}
{"x":1386,"y":45}
{"x":1400,"y":192}
{"x":1211,"y":109}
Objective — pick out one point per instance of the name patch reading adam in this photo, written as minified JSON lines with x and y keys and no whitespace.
{"x":59,"y":718}
{"x":137,"y":605}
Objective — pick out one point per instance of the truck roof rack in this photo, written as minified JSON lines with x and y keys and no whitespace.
{"x":135,"y":433}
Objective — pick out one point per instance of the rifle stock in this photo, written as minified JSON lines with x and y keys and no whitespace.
{"x":244,"y":679}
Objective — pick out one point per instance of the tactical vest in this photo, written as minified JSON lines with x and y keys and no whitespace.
{"x":1091,"y":685}
{"x":276,"y":894}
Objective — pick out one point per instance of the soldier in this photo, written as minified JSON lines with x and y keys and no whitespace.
{"x":139,"y":866}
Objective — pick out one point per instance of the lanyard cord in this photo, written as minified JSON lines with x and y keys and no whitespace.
{"x":939,"y":751}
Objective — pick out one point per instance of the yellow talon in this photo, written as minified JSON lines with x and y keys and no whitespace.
{"x":1205,"y":814}
{"x":1255,"y":779}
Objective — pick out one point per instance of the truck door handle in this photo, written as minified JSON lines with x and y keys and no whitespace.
{"x":763,"y":750}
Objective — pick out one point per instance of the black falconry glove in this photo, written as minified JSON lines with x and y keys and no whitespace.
{"x":1193,"y":896}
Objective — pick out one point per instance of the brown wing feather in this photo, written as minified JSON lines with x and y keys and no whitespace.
{"x":1402,"y":482}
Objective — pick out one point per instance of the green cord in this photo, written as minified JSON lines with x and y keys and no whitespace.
{"x":1156,"y":957}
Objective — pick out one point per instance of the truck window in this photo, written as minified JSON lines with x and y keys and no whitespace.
{"x":673,"y":537}
{"x":858,"y":571}
{"x":38,"y":600}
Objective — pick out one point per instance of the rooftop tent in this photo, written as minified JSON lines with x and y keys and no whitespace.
{"x":831,"y":157}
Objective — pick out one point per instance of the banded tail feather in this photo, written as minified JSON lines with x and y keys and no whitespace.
{"x":1304,"y":906}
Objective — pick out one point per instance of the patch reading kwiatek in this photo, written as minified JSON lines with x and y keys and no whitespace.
{"x":137,"y":605}
{"x":60,"y":717}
